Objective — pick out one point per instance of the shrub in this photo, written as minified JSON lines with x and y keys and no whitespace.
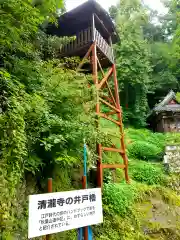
{"x":119,"y":197}
{"x":144,"y":150}
{"x":148,"y":174}
{"x":144,"y":144}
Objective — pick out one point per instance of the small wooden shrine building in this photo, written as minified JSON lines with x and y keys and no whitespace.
{"x":165,"y":116}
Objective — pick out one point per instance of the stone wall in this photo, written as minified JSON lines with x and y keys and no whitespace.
{"x":172,"y":154}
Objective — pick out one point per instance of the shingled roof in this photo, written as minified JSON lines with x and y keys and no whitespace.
{"x":164,"y":105}
{"x":79,"y":18}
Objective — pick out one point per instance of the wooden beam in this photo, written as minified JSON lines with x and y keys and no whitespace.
{"x":93,"y":28}
{"x":104,"y":80}
{"x":109,"y":89}
{"x":102,"y":24}
{"x":85,"y":57}
{"x":113,"y":166}
{"x":111,"y":113}
{"x":107,"y":98}
{"x":112,"y":150}
{"x":109,"y":105}
{"x":108,"y":118}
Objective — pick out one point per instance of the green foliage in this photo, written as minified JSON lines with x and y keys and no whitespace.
{"x":119,"y":197}
{"x":132,"y":57}
{"x":176,"y":40}
{"x":46,"y":111}
{"x":172,"y":138}
{"x":162,"y":76}
{"x":178,"y":96}
{"x":147,"y":57}
{"x":142,"y":217}
{"x":144,"y":150}
{"x":20,"y":22}
{"x":42,"y":116}
{"x":145,"y":145}
{"x":148,"y":173}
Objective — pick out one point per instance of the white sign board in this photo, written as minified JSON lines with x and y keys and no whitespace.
{"x":56,"y":212}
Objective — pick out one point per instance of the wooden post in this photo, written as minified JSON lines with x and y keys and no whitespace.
{"x":48,"y":237}
{"x":93,"y":28}
{"x":112,"y":51}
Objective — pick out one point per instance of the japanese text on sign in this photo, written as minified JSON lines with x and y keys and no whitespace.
{"x":57,"y":212}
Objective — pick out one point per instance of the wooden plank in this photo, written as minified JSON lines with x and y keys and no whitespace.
{"x":85,"y":36}
{"x":105,"y":78}
{"x":109,"y":118}
{"x":98,"y":38}
{"x":103,"y":45}
{"x":106,"y":49}
{"x":95,"y":34}
{"x":89,"y":34}
{"x":79,"y":39}
{"x":113,"y":166}
{"x":109,"y":105}
{"x":82,"y":38}
{"x":112,"y":150}
{"x":93,"y":28}
{"x":112,"y":52}
{"x":100,"y":41}
{"x":85,"y":57}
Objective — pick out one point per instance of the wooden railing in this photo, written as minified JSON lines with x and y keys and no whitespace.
{"x":85,"y":37}
{"x":104,"y":46}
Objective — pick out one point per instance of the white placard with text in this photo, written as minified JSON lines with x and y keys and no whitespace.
{"x":56,"y":212}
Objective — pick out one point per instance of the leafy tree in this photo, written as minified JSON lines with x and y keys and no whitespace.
{"x":42,"y":110}
{"x":176,"y":41}
{"x":159,"y":50}
{"x":164,"y":77}
{"x":132,"y":57}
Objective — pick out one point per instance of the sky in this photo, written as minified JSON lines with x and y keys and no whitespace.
{"x":154,"y":4}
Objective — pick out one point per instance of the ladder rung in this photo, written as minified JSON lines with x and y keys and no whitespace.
{"x":113,"y":166}
{"x":113,"y":150}
{"x":109,"y":118}
{"x":109,"y":105}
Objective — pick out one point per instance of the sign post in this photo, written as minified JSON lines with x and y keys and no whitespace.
{"x":60,"y":211}
{"x":48,"y":237}
{"x":84,"y":183}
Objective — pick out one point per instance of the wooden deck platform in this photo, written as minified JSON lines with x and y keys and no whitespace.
{"x":83,"y":41}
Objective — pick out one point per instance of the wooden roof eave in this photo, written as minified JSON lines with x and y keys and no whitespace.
{"x":96,"y":9}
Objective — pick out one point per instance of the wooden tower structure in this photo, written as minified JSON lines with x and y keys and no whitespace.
{"x":95,"y":33}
